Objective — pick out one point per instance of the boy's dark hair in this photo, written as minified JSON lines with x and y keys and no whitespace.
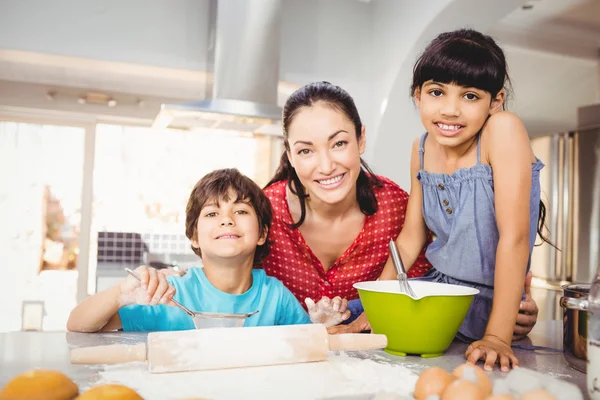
{"x":338,"y":99}
{"x":216,"y":185}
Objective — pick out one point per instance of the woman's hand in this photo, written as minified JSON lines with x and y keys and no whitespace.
{"x":153,"y":288}
{"x":360,"y":324}
{"x":328,"y":312}
{"x":492,"y":350}
{"x":528,"y":312}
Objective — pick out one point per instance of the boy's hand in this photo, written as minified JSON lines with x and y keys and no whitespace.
{"x":492,"y":350}
{"x":328,"y":312}
{"x":153,"y":288}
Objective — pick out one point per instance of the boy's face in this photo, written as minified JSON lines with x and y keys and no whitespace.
{"x":228,"y":229}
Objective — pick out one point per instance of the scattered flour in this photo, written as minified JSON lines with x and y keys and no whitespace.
{"x":342,"y":376}
{"x":559,"y":376}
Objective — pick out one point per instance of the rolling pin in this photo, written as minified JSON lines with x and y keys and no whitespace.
{"x":221,"y":348}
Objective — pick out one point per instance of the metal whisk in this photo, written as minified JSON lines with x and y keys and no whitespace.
{"x":404,"y":286}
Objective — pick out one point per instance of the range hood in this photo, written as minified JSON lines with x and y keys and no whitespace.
{"x":245,"y":42}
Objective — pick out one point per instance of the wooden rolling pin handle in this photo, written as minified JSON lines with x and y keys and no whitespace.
{"x":111,"y":354}
{"x":357,"y":341}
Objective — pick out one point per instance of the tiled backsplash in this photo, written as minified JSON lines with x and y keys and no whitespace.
{"x":129,"y":247}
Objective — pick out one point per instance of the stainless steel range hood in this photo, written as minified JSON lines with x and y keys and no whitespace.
{"x":245,"y":75}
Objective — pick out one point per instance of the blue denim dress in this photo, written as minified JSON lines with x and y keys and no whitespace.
{"x":459,"y":209}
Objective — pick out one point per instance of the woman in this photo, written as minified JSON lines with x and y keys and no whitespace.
{"x":333,"y":218}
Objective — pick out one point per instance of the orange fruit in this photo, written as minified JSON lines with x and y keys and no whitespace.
{"x":40,"y":384}
{"x":110,"y":392}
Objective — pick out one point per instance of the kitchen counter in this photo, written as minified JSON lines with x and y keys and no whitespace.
{"x":21,"y":351}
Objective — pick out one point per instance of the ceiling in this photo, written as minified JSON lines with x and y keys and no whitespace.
{"x":553,"y":52}
{"x":569,"y":27}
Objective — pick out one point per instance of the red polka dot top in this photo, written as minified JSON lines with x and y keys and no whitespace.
{"x":292,"y":261}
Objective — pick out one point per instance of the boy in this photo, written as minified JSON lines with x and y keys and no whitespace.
{"x":227,"y":221}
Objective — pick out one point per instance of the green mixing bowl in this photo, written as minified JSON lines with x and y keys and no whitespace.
{"x":425,"y":325}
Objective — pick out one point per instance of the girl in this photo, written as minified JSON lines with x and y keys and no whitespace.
{"x":475,"y":185}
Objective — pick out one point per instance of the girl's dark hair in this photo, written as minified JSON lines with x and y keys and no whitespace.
{"x":468,"y":58}
{"x":464,"y":57}
{"x":337,"y":98}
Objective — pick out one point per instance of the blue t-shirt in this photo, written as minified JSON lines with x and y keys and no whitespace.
{"x":276,"y":304}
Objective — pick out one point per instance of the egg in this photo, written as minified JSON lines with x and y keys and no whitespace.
{"x":110,"y":392}
{"x":461,"y":389}
{"x":40,"y":384}
{"x":538,"y":394}
{"x":432,"y":381}
{"x":501,"y":397}
{"x":466,"y":371}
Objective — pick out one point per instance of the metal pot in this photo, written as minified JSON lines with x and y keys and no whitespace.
{"x":575,"y":304}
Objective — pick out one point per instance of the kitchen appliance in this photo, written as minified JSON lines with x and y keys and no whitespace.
{"x":575,"y":303}
{"x":244,"y":47}
{"x":571,"y":191}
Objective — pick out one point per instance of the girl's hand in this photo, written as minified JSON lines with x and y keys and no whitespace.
{"x":492,"y":349}
{"x":328,"y":312}
{"x":152,"y":289}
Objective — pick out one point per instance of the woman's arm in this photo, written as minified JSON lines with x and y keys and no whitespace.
{"x":413,"y":234}
{"x":510,"y":155}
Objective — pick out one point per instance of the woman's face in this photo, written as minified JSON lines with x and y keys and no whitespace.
{"x":325,"y":152}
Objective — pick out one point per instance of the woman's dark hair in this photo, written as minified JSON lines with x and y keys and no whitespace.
{"x":216,"y":186}
{"x":467,"y":58}
{"x":337,"y":98}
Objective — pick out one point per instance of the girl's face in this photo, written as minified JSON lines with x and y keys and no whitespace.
{"x":325,"y":152}
{"x":453,"y":114}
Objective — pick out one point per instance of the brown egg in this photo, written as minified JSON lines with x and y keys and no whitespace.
{"x":501,"y":397}
{"x":40,"y":384}
{"x":463,"y":390}
{"x":483,"y":379}
{"x":110,"y":392}
{"x":432,"y":381}
{"x":538,"y":394}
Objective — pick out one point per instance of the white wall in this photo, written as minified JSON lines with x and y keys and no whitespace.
{"x":329,"y":40}
{"x":165,"y":33}
{"x":549,"y":87}
{"x":396,"y":23}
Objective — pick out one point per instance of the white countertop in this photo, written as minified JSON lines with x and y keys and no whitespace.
{"x":356,"y":375}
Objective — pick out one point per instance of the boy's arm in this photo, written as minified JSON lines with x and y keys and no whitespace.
{"x":98,"y":312}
